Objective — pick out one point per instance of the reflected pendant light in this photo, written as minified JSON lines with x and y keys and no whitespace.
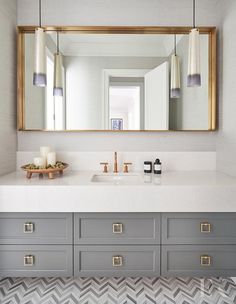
{"x":175,"y":74}
{"x":40,"y":77}
{"x":194,"y":73}
{"x":58,"y":84}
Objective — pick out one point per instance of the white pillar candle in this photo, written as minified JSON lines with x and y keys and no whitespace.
{"x":51,"y":158}
{"x":39,"y":161}
{"x":44,"y":151}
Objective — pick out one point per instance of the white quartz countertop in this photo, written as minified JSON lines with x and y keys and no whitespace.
{"x":177,"y":191}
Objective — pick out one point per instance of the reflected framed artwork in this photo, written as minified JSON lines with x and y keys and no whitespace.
{"x":116,"y":124}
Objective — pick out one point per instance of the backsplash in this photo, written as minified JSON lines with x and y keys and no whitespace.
{"x":107,"y":141}
{"x":171,"y":161}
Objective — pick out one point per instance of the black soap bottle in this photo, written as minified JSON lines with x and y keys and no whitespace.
{"x":148,"y":167}
{"x":157,"y":166}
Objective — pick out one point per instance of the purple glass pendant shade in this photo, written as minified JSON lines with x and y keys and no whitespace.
{"x":175,"y":88}
{"x":194,"y":72}
{"x":39,"y":75}
{"x":175,"y":93}
{"x":57,"y":91}
{"x":39,"y":80}
{"x":194,"y":80}
{"x":58,"y":75}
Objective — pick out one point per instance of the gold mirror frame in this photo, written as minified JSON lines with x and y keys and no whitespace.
{"x":211,"y":31}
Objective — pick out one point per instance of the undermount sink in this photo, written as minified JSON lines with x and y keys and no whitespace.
{"x":116,"y":178}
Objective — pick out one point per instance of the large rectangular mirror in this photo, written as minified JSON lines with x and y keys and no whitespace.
{"x":116,"y":79}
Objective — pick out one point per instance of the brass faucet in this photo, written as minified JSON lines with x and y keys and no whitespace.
{"x":115,"y":163}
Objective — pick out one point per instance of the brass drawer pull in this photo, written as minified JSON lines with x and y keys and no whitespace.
{"x":117,"y":228}
{"x":29,"y":260}
{"x":28,"y":227}
{"x":117,"y":261}
{"x":206,"y":260}
{"x":205,"y":227}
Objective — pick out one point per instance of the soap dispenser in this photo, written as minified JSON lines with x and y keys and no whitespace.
{"x":157,"y":166}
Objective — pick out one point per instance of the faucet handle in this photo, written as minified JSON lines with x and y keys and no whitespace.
{"x":126,"y":167}
{"x":105,"y":168}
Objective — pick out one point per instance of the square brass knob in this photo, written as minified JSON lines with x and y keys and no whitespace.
{"x":117,"y":228}
{"x":206,"y":260}
{"x":28,"y":227}
{"x":205,"y":227}
{"x":29,"y":260}
{"x":117,"y":261}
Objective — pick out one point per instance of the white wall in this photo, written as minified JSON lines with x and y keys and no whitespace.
{"x":7,"y":86}
{"x":113,"y":12}
{"x":226,"y":141}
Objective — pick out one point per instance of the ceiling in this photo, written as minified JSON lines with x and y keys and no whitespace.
{"x":116,"y":44}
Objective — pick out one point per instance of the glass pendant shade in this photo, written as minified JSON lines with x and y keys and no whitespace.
{"x":40,"y":77}
{"x":175,"y":77}
{"x":58,"y":83}
{"x":194,"y":73}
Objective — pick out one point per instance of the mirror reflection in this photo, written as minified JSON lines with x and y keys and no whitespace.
{"x":116,"y":82}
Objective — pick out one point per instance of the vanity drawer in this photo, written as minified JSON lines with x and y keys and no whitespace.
{"x":35,"y":260}
{"x":119,"y":228}
{"x":200,"y":260}
{"x":117,"y":260}
{"x":36,"y":228}
{"x":199,"y":228}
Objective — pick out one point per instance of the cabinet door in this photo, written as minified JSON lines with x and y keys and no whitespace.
{"x":199,"y":228}
{"x":200,"y":260}
{"x":117,"y":260}
{"x":117,"y":228}
{"x":36,"y":228}
{"x":35,"y":260}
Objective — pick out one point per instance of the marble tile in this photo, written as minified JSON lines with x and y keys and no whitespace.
{"x":117,"y":291}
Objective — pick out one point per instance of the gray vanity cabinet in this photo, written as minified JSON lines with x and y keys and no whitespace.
{"x":36,"y":228}
{"x":36,"y":244}
{"x":199,"y":260}
{"x":117,"y":244}
{"x":35,"y":260}
{"x":117,"y":228}
{"x":199,"y":228}
{"x":198,"y":244}
{"x":117,"y":260}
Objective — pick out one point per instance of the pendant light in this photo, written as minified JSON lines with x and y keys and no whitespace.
{"x":40,"y":77}
{"x":58,"y":85}
{"x":194,"y":74}
{"x":175,"y":74}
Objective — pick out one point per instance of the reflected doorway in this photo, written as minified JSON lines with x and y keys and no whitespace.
{"x":126,"y":103}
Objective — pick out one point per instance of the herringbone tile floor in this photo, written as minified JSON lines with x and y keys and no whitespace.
{"x":117,"y":291}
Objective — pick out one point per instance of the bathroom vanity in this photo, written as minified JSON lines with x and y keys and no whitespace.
{"x":91,"y":224}
{"x":180,"y":224}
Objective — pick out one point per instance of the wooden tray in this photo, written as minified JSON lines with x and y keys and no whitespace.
{"x":50,"y":171}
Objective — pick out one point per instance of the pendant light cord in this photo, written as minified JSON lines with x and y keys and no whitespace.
{"x":194,"y":13}
{"x":40,"y":13}
{"x":57,"y":43}
{"x":175,"y":43}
